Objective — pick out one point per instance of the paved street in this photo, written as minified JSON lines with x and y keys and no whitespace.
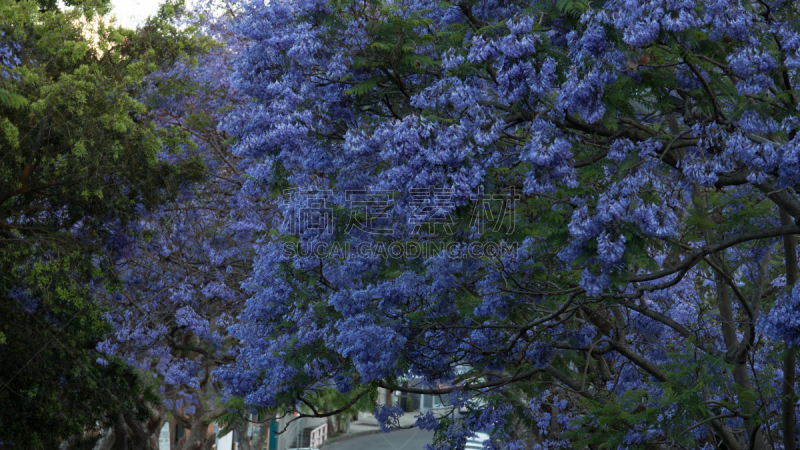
{"x":396,"y":440}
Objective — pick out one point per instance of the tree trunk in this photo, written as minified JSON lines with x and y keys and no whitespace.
{"x":789,"y":398}
{"x":106,"y":441}
{"x":740,"y":376}
{"x":258,"y":441}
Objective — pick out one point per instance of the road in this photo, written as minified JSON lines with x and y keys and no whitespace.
{"x":396,"y":440}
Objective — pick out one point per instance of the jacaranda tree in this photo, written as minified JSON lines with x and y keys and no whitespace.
{"x":573,"y":220}
{"x":182,"y":263}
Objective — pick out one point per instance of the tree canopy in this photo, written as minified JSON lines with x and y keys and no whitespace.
{"x":79,"y":158}
{"x":644,"y":155}
{"x":573,"y":222}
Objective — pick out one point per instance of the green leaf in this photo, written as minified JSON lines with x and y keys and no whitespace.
{"x":15,"y":101}
{"x":364,"y":87}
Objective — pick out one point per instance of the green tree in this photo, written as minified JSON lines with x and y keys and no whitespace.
{"x":78,"y":158}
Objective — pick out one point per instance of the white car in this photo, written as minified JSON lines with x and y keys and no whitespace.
{"x":476,"y":442}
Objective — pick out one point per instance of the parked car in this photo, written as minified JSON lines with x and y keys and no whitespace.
{"x":476,"y":442}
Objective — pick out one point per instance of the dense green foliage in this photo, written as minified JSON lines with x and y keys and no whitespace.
{"x":78,"y":159}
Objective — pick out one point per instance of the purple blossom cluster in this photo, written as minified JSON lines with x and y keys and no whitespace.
{"x":650,"y":169}
{"x":8,"y":54}
{"x":783,"y":321}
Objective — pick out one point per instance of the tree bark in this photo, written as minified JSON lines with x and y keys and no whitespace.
{"x":258,"y":441}
{"x":106,"y":441}
{"x":789,"y":398}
